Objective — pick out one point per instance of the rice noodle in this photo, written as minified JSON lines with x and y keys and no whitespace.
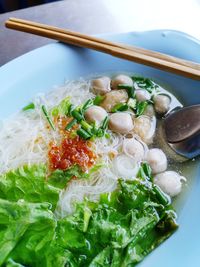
{"x":25,"y":139}
{"x":25,"y":136}
{"x":101,"y":182}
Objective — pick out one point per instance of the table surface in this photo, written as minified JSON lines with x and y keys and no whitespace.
{"x":99,"y":16}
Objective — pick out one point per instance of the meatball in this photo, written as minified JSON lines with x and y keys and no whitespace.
{"x":161,"y":103}
{"x":114,"y":97}
{"x":170,"y":182}
{"x":142,"y":95}
{"x":145,"y":128}
{"x":134,"y":149}
{"x":101,"y":85}
{"x":121,"y":79}
{"x":95,"y":114}
{"x":149,"y":111}
{"x":157,"y":160}
{"x":121,"y":122}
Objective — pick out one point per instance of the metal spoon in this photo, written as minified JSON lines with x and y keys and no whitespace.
{"x":182,"y":131}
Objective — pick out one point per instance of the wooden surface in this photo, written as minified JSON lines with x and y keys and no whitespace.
{"x":99,"y":16}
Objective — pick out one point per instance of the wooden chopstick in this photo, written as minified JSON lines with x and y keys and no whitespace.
{"x":139,"y":55}
{"x":100,"y":40}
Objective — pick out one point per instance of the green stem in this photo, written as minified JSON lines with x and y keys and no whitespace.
{"x":48,"y":117}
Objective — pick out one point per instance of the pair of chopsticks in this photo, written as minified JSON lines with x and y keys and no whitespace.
{"x":143,"y":56}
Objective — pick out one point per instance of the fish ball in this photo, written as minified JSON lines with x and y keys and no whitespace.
{"x":145,"y":128}
{"x":121,"y":79}
{"x":121,"y":122}
{"x":95,"y":114}
{"x":170,"y":182}
{"x":161,"y":103}
{"x":101,"y":85}
{"x":157,"y":160}
{"x":114,"y":97}
{"x":142,"y":95}
{"x":134,"y":149}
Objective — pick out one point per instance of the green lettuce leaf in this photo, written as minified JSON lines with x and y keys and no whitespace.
{"x":25,"y":230}
{"x":33,"y":184}
{"x":119,"y":230}
{"x":12,"y":263}
{"x":28,"y":183}
{"x":62,"y":108}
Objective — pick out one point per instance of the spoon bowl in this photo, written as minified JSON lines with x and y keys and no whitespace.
{"x":182,"y":131}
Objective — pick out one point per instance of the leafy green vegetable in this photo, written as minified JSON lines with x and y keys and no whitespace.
{"x":29,"y":106}
{"x":28,"y":183}
{"x":118,"y":231}
{"x":63,"y":108}
{"x":12,"y":263}
{"x":33,"y":184}
{"x":25,"y":230}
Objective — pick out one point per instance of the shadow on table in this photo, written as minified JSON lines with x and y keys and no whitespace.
{"x":10,"y":5}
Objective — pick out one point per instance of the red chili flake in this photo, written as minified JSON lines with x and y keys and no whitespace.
{"x":71,"y":152}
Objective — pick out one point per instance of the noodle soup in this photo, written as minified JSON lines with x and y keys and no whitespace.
{"x":82,"y":167}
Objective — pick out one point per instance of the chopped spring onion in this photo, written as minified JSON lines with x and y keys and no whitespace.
{"x":104,"y":123}
{"x":71,"y":107}
{"x":145,"y":172}
{"x":29,"y":106}
{"x":132,"y":103}
{"x":145,"y":83}
{"x":86,"y":126}
{"x":130,"y":89}
{"x":86,"y":130}
{"x":48,"y":117}
{"x":87,"y":104}
{"x":77,"y":115}
{"x":98,"y":99}
{"x":71,"y":124}
{"x":84,"y":134}
{"x":140,"y":107}
{"x":119,"y":107}
{"x":162,"y":197}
